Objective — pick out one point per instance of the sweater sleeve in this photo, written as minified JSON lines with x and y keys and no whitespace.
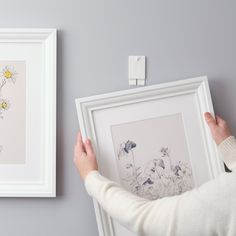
{"x":202,"y":211}
{"x":199,"y":210}
{"x":139,"y":215}
{"x":227,"y":149}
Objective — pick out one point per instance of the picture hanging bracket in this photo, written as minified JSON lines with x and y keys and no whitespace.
{"x":137,"y":70}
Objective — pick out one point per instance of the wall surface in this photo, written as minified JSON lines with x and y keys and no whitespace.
{"x":181,"y":39}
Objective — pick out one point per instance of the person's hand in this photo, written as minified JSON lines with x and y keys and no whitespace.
{"x":219,"y":128}
{"x":84,"y":157}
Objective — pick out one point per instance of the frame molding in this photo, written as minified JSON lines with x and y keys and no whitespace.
{"x":48,"y":39}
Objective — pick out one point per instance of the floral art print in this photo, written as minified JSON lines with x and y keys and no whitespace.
{"x":7,"y":75}
{"x":12,"y":111}
{"x":152,"y":157}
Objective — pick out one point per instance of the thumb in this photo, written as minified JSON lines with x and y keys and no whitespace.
{"x":210,"y":120}
{"x":89,"y":147}
{"x":221,"y":122}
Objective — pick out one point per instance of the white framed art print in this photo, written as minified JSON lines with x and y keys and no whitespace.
{"x":152,"y":140}
{"x":27,"y":112}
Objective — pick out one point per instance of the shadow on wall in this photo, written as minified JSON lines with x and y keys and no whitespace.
{"x":60,"y":132}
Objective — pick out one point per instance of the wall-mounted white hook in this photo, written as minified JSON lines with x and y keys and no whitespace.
{"x":137,"y":70}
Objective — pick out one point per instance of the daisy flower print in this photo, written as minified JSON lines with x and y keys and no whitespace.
{"x":9,"y":74}
{"x":4,"y":106}
{"x":12,"y":112}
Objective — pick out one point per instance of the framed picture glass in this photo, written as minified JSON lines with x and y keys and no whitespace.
{"x":152,"y":140}
{"x":27,"y":112}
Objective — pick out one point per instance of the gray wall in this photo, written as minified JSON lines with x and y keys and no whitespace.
{"x":181,"y":39}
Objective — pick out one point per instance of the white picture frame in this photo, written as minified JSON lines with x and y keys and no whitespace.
{"x":36,"y":50}
{"x":190,"y":97}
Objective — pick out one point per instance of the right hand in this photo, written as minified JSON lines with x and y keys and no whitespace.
{"x":219,"y":128}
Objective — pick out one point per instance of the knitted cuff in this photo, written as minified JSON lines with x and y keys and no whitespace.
{"x":227,"y":149}
{"x":89,"y":181}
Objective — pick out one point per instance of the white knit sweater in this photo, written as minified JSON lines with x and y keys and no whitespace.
{"x":207,"y":210}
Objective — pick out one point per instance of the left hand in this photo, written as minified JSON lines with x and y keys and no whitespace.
{"x":84,"y":157}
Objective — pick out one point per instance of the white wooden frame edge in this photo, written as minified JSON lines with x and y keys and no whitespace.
{"x":48,"y":37}
{"x":86,"y":106}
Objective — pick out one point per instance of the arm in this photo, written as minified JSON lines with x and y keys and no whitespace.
{"x":196,"y":212}
{"x":141,"y":216}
